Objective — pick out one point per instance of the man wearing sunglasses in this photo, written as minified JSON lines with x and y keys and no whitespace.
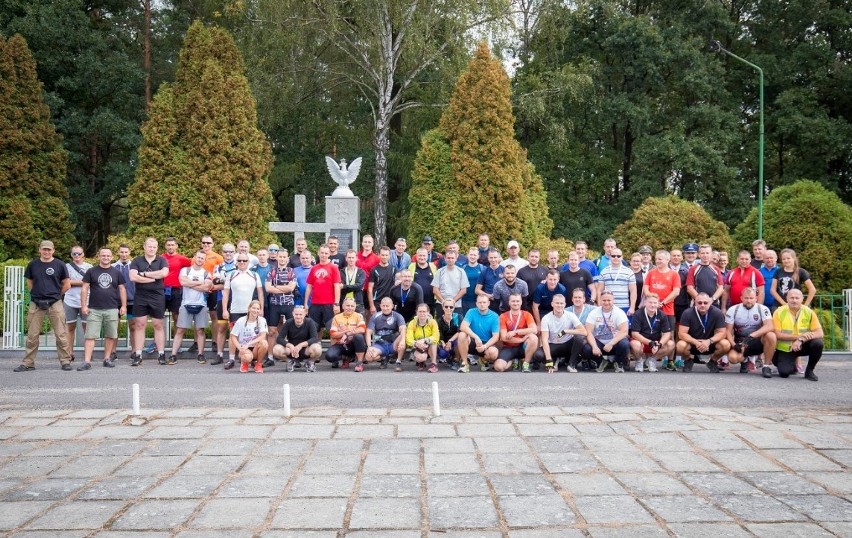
{"x":73,"y":308}
{"x":702,"y":332}
{"x":240,"y":288}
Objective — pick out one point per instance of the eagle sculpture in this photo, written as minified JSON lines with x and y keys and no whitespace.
{"x":343,"y":175}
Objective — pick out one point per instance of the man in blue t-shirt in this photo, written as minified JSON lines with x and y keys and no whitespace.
{"x":478,"y":334}
{"x":768,"y":270}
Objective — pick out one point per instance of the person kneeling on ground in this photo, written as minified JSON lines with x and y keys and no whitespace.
{"x":799,"y":333}
{"x":478,"y":334}
{"x":750,"y":333}
{"x":298,"y":340}
{"x":651,"y":334}
{"x":347,"y":337}
{"x":562,"y":337}
{"x":606,"y":329}
{"x":422,"y":338}
{"x":386,"y":335}
{"x":518,"y":333}
{"x":248,"y":339}
{"x":702,"y":332}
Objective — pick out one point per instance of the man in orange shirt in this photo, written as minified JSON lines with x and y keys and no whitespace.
{"x":212,"y":260}
{"x":518,"y":333}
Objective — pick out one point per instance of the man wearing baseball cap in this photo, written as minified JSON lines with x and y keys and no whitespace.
{"x":514,"y":258}
{"x":47,"y":279}
{"x":431,"y":256}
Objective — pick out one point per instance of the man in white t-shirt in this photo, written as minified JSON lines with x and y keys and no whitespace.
{"x":196,"y":282}
{"x":562,"y":337}
{"x":607,"y":333}
{"x":751,"y":333}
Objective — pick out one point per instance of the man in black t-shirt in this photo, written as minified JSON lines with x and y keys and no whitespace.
{"x":650,"y":334}
{"x":702,"y":332}
{"x":298,"y":339}
{"x":382,"y":278}
{"x":103,"y":300}
{"x":406,"y":295}
{"x":47,"y":279}
{"x":148,"y":272}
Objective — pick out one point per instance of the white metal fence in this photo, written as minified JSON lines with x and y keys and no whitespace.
{"x":14,"y":292}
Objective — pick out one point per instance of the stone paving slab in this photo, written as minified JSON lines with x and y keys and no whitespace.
{"x":474,"y":472}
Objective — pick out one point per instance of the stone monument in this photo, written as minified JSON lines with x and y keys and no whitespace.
{"x":342,"y":209}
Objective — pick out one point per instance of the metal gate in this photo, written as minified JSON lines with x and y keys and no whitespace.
{"x":14,"y":295}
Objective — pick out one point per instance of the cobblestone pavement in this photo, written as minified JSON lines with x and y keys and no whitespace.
{"x":522,"y":472}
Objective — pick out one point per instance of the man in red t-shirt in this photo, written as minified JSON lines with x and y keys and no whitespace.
{"x":173,"y":288}
{"x":664,"y":281}
{"x":743,"y":276}
{"x":367,"y":259}
{"x":323,"y":289}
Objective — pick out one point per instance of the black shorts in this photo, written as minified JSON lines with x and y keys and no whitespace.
{"x":694,"y":351}
{"x":154,"y":307}
{"x":213,"y":302}
{"x":173,"y":299}
{"x":679,"y":310}
{"x":752,"y":347}
{"x":511,"y":353}
{"x":277,"y":314}
{"x":322,"y":314}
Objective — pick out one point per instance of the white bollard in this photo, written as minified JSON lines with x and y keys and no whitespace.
{"x":136,"y":410}
{"x":436,"y":403}
{"x":286,"y":400}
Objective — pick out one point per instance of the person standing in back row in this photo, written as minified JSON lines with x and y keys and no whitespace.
{"x":148,"y":272}
{"x":47,"y":279}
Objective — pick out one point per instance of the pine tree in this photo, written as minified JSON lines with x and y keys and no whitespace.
{"x":203,"y":163}
{"x":32,"y":161}
{"x":495,"y":188}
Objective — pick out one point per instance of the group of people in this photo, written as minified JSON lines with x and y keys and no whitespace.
{"x":666,"y":309}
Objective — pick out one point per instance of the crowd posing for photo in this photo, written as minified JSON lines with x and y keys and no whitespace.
{"x":656,"y":310}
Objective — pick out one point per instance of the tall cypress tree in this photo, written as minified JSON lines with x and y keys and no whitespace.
{"x":32,"y":162}
{"x":496,"y":189}
{"x":203,"y":163}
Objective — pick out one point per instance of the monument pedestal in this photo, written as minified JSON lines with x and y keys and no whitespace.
{"x":343,"y":215}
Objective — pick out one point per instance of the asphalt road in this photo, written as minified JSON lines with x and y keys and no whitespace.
{"x":188,"y":384}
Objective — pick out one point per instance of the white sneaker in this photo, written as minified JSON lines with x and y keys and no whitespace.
{"x":640,"y":366}
{"x":471,"y":359}
{"x":572,"y":370}
{"x":652,"y":365}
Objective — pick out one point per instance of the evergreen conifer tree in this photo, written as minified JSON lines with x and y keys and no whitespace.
{"x":494,"y":187}
{"x":203,"y":163}
{"x":33,"y":197}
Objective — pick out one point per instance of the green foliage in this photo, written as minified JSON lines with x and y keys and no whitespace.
{"x":433,"y":205}
{"x":32,"y":161}
{"x":814,"y":222}
{"x":670,"y":222}
{"x":203,"y":163}
{"x":488,"y":184}
{"x":834,"y":337}
{"x":89,"y":60}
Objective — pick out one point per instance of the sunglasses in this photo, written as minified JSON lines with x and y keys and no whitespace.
{"x":76,"y":254}
{"x":448,"y":307}
{"x":273,"y":250}
{"x":207,"y":242}
{"x":228,"y":251}
{"x":615,"y":256}
{"x":242,"y":261}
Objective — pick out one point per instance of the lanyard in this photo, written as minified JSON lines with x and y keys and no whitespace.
{"x":702,"y":322}
{"x":350,"y":278}
{"x":516,"y":321}
{"x":653,"y":325}
{"x":403,"y":295}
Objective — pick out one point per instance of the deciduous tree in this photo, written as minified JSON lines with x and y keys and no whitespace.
{"x":813,"y":221}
